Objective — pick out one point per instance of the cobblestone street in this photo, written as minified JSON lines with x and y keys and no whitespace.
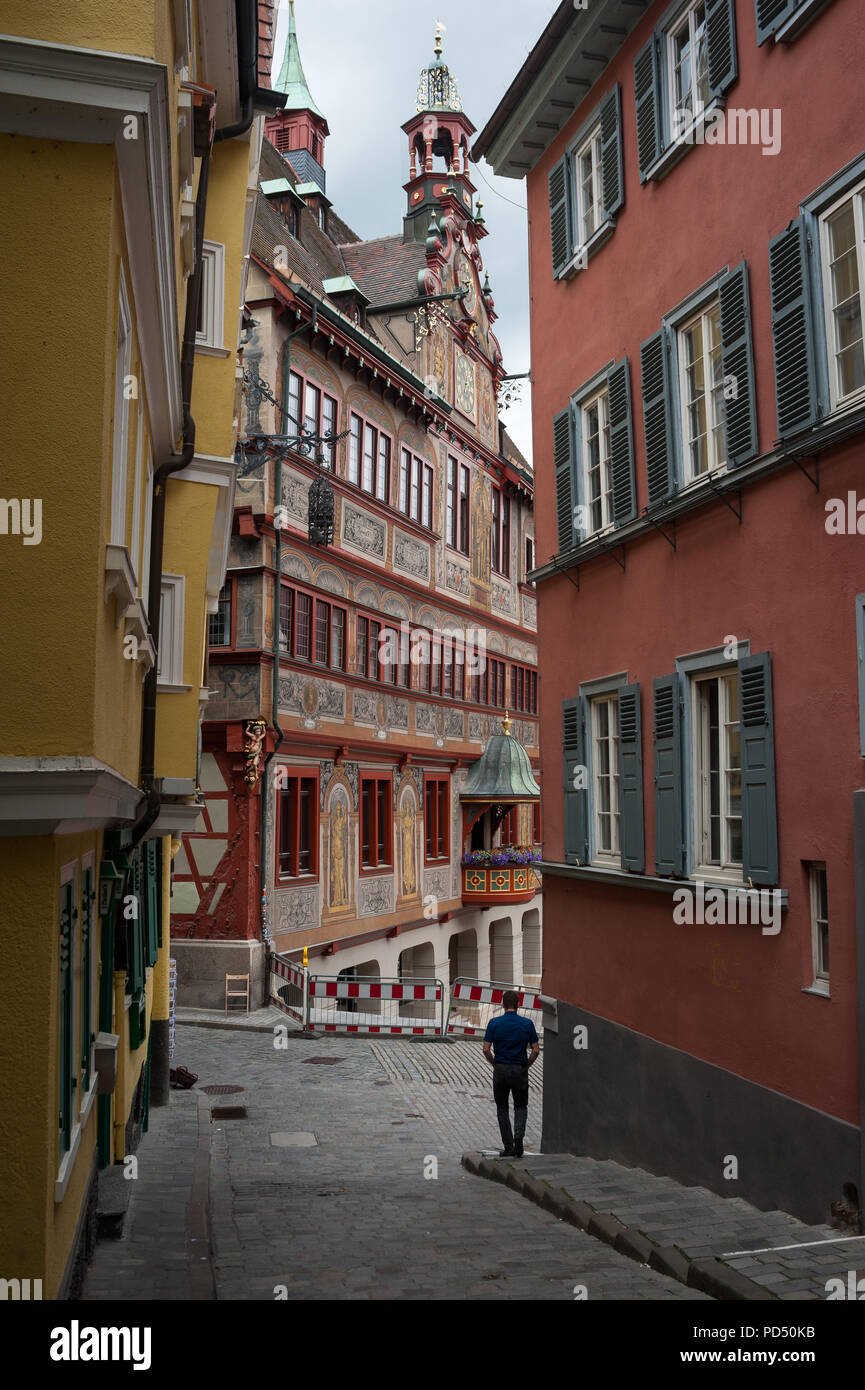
{"x":319,"y":1191}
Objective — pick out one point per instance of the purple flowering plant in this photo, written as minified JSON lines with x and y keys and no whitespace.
{"x":496,"y":858}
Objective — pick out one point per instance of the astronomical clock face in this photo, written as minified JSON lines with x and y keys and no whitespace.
{"x":469,"y":284}
{"x":465,"y":385}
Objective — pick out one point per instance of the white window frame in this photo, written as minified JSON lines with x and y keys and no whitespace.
{"x":714,"y":464}
{"x":727,"y":870}
{"x":856,"y":195}
{"x":120,"y":454}
{"x":592,"y":146}
{"x":135,"y":548}
{"x":144,"y":586}
{"x":820,"y":982}
{"x":601,"y":398}
{"x":678,"y":130}
{"x":212,"y":332}
{"x":613,"y":856}
{"x":169,"y":675}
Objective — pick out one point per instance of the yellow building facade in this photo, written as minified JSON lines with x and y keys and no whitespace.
{"x":126,"y":225}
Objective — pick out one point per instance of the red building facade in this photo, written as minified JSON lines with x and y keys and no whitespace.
{"x":697,"y":265}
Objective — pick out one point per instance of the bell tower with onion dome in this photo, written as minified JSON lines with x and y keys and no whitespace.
{"x":439,"y":139}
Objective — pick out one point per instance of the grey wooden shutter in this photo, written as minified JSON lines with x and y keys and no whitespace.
{"x":771,"y":14}
{"x":737,"y":357}
{"x":631,"y":780}
{"x":563,"y":458}
{"x":654,"y":365}
{"x":621,"y":444}
{"x":721,"y":45}
{"x":647,"y":90}
{"x":561,"y":233}
{"x":612,"y":169}
{"x":759,"y":809}
{"x":793,"y":331}
{"x":576,"y":802}
{"x":669,"y":800}
{"x":65,"y":1064}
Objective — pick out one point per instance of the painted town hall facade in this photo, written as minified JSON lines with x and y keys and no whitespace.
{"x":352,"y":685}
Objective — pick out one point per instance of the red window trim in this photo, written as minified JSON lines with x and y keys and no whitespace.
{"x":386,"y":865}
{"x":288,"y":774}
{"x":379,"y":432}
{"x":316,"y":596}
{"x":436,"y":780}
{"x":289,"y":426}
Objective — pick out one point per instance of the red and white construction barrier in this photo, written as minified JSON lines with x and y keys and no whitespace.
{"x":484,"y":996}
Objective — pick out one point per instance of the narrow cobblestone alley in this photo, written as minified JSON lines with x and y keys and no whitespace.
{"x":319,"y":1192}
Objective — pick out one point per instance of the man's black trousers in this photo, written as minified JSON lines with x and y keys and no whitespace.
{"x":511,"y":1077}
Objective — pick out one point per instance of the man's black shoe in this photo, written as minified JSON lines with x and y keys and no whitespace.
{"x":518,"y":1148}
{"x":506,"y":1153}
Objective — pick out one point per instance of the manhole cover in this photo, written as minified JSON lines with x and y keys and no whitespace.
{"x":220,"y":1090}
{"x":321,"y":1061}
{"x":228,"y":1112}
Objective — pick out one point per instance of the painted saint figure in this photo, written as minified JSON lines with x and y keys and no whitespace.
{"x":406,"y":821}
{"x":338,"y":855}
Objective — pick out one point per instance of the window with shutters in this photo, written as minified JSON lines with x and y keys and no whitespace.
{"x":819,"y":926}
{"x":587,"y":188}
{"x":717,"y":773}
{"x":67,"y":1068}
{"x":597,"y":479}
{"x":680,"y":78}
{"x":297,"y":824}
{"x":376,"y":821}
{"x":842,"y":244}
{"x":606,"y":803}
{"x":701,"y":387}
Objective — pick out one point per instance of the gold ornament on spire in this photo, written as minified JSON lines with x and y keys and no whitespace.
{"x":506,"y":724}
{"x":440,"y":28}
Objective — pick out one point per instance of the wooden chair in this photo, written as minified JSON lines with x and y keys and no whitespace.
{"x":236,"y":993}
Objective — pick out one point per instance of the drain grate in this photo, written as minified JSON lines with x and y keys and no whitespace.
{"x":228,"y":1112}
{"x":220,"y":1090}
{"x":321,"y":1061}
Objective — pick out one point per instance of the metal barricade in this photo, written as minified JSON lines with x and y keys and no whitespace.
{"x":408,"y":1007}
{"x":474,"y":1002}
{"x":289,"y":987}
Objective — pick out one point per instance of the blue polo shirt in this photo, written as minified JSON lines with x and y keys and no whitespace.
{"x":510,"y":1035}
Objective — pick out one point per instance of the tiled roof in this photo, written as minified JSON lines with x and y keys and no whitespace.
{"x":266,"y":21}
{"x":512,"y":453}
{"x":386,"y":269}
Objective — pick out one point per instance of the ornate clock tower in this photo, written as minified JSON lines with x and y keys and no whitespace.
{"x":439,"y":138}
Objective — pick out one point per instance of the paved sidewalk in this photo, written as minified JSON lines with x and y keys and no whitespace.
{"x":770,"y":1248}
{"x":326,"y":1188}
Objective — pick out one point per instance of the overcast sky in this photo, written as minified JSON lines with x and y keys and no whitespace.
{"x":362,"y":60}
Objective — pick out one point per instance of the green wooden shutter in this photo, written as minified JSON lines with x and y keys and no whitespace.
{"x":669,"y":799}
{"x":655,"y":370}
{"x":65,"y":1061}
{"x":621,"y":444}
{"x":152,"y":896}
{"x":576,"y":802}
{"x":793,"y":331}
{"x":631,"y":780}
{"x":759,"y":810}
{"x":721,"y":45}
{"x":563,"y":457}
{"x":88,"y":898}
{"x":771,"y":15}
{"x":737,"y":357}
{"x":647,"y":89}
{"x":612,"y":169}
{"x":561,"y":231}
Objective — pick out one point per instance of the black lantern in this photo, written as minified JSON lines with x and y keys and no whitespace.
{"x":321,"y":506}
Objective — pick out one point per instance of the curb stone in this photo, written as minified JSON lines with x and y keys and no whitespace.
{"x":710,"y":1275}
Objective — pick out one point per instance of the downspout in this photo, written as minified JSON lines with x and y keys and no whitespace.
{"x":274,"y":684}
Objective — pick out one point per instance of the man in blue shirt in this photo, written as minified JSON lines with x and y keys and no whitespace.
{"x":505,"y":1043}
